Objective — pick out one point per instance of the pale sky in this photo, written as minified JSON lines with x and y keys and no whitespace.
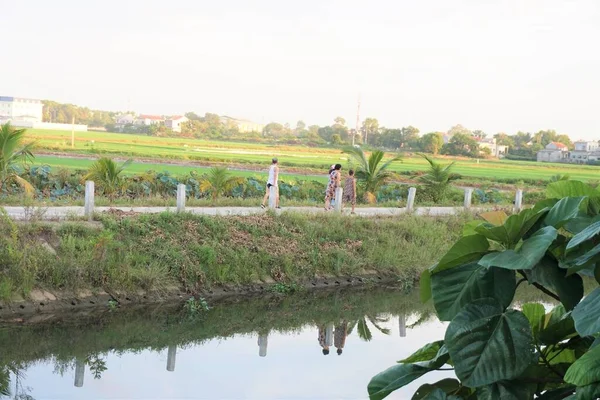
{"x":498,"y":66}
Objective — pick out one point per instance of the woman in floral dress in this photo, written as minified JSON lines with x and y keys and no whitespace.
{"x":335,"y":178}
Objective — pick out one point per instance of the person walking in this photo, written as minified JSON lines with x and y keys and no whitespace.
{"x":350,"y":190}
{"x":335,"y":178}
{"x":272,"y":181}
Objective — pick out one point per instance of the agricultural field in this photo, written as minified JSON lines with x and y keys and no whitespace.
{"x":248,"y":158}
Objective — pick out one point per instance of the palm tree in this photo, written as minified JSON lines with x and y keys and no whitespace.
{"x":371,"y":173}
{"x":107,"y":175}
{"x":362,"y":328}
{"x":12,"y":153}
{"x":437,"y":179}
{"x":218,"y":181}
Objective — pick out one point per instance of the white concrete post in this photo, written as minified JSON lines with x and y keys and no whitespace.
{"x":171,"y":355}
{"x":339,"y":192}
{"x":79,"y":372}
{"x":402,"y":325}
{"x":88,"y":209}
{"x":263,"y":340}
{"x":468,"y":195}
{"x":181,"y":197}
{"x":410,"y":200}
{"x":518,"y":200}
{"x":272,"y":197}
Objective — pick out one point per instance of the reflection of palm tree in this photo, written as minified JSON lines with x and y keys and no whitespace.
{"x":362,"y":328}
{"x":4,"y":381}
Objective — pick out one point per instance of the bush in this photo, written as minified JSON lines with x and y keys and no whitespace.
{"x":502,"y":350}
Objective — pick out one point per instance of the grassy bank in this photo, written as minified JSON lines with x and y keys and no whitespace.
{"x":153,"y":252}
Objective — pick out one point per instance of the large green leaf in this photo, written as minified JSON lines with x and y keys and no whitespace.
{"x":454,"y":288}
{"x":587,"y":314}
{"x":469,"y":227}
{"x":439,"y":394}
{"x":513,"y":229}
{"x":586,"y":370}
{"x":579,"y":223}
{"x":588,"y":392}
{"x":583,"y":236}
{"x":564,"y":210}
{"x":575,"y":263}
{"x":425,"y":353}
{"x":550,"y":275}
{"x":467,"y":249}
{"x":530,"y":253}
{"x":393,"y":378}
{"x":560,"y":189}
{"x":488,"y":344}
{"x":558,"y":328}
{"x":448,"y":385}
{"x":535,"y":313}
{"x":506,"y":390}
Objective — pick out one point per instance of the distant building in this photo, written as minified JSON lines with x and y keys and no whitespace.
{"x":125,"y":119}
{"x":584,"y":152}
{"x":175,"y":122}
{"x":148,"y":120}
{"x":244,"y":126}
{"x":496,"y":150}
{"x":554,"y":152}
{"x":18,"y":109}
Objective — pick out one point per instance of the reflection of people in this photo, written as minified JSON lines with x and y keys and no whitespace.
{"x":350,"y":190}
{"x":334,"y":182}
{"x":272,"y":181}
{"x":339,"y":336}
{"x":325,"y":337}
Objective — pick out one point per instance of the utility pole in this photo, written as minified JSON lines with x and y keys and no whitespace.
{"x":357,"y":120}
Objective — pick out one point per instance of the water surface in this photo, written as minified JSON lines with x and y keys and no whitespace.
{"x":268,"y":348}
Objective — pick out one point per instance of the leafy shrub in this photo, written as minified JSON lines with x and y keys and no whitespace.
{"x":499,"y":350}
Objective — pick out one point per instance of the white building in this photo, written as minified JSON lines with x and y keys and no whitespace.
{"x":584,"y":152}
{"x":554,"y":152}
{"x":175,"y":122}
{"x":244,"y":126}
{"x":18,"y":109}
{"x":148,"y":120}
{"x":496,"y":150}
{"x":125,"y":119}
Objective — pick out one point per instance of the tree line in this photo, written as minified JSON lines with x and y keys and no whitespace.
{"x":460,"y":141}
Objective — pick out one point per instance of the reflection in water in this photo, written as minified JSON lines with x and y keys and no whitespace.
{"x":79,"y":372}
{"x":171,"y":355}
{"x":263,"y":340}
{"x":124,"y":351}
{"x":402,"y":325}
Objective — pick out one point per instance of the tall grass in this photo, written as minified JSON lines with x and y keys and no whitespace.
{"x":151,"y":252}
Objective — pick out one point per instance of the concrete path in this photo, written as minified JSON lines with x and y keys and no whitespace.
{"x":52,"y":213}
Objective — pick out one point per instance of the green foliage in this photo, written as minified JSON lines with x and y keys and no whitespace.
{"x":371,"y":173}
{"x":194,"y":307}
{"x":437,"y":179}
{"x":107,"y":174}
{"x":13,"y":154}
{"x":496,"y":350}
{"x":218,"y":181}
{"x":285,"y":288}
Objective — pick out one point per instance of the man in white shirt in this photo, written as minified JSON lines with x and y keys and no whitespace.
{"x":272,"y":181}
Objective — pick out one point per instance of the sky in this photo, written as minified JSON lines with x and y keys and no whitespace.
{"x":493,"y":65}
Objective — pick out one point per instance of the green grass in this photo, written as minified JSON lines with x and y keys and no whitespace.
{"x":137,"y":168}
{"x":151,"y":252}
{"x":302,"y":157}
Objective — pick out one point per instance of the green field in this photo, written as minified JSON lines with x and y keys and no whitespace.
{"x":298,"y":159}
